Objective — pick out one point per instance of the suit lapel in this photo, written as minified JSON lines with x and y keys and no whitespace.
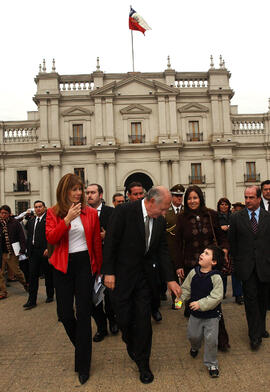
{"x":261,"y":220}
{"x":246,"y":220}
{"x":139,"y":216}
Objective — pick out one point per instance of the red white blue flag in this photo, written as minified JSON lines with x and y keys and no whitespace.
{"x":136,"y":22}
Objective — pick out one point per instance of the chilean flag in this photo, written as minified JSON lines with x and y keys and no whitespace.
{"x":136,"y":22}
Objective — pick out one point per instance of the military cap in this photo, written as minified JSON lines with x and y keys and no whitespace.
{"x":238,"y":204}
{"x":177,"y":189}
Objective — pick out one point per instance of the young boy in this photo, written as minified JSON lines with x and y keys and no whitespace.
{"x":204,"y":288}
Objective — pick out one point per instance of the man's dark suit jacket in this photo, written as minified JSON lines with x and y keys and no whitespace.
{"x":249,"y":249}
{"x":39,"y":234}
{"x":104,"y":216}
{"x":124,"y":250}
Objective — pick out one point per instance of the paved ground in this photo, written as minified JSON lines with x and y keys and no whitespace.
{"x":36,"y":355}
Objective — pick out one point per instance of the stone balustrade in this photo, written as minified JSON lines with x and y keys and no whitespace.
{"x":191,"y":80}
{"x":76,"y":83}
{"x":20,"y":135}
{"x":248,"y":126}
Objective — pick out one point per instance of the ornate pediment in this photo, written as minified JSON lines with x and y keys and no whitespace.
{"x":77,"y":111}
{"x":134,"y":85}
{"x":135,"y":108}
{"x":193,"y":108}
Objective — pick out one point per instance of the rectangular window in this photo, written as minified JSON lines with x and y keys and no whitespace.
{"x":21,"y":206}
{"x":196,"y":174}
{"x":80,"y":173}
{"x":136,"y":133}
{"x":251,"y":171}
{"x":22,"y":185}
{"x":194,"y":132}
{"x":77,"y":138}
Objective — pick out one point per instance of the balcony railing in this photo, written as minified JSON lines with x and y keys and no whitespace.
{"x":22,"y":187}
{"x":135,"y":139}
{"x":196,"y":179}
{"x":252,"y":177}
{"x":195,"y":137}
{"x":77,"y":141}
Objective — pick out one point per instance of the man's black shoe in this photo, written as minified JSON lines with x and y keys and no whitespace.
{"x":114,"y":328}
{"x":29,"y":305}
{"x":265,"y":335}
{"x":83,"y":378}
{"x":146,"y":376}
{"x":255,"y":344}
{"x":48,"y":300}
{"x":193,"y":353}
{"x":157,"y":316}
{"x":99,"y":336}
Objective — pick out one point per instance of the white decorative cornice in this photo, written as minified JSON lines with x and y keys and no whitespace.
{"x":135,"y":108}
{"x":192,"y":108}
{"x":77,"y":111}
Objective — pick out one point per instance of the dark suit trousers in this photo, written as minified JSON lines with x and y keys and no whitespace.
{"x":36,"y":262}
{"x":78,"y":282}
{"x":100,"y":316}
{"x":255,"y":297}
{"x":133,"y":316}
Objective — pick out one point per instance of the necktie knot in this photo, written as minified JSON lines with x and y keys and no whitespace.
{"x":177,"y":210}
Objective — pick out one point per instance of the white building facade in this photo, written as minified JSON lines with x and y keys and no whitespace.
{"x":158,"y":128}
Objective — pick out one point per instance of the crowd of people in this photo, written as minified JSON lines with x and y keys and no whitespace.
{"x":148,"y":243}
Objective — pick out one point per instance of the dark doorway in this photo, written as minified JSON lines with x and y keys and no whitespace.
{"x":144,"y":179}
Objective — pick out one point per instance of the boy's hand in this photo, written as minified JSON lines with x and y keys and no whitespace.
{"x":194,"y":305}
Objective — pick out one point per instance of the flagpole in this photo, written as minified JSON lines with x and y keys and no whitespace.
{"x":132,"y":48}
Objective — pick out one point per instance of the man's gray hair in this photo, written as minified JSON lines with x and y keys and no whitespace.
{"x":155,"y":193}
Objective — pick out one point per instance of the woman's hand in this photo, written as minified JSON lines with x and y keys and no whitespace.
{"x":180,"y":273}
{"x":73,"y":213}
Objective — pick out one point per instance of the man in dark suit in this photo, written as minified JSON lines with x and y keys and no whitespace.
{"x":94,"y":196}
{"x":249,"y":236}
{"x":177,"y":192}
{"x":265,"y":189}
{"x":136,"y":235}
{"x":37,"y":253}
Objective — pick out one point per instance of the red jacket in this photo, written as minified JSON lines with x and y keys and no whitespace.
{"x":57,"y":234}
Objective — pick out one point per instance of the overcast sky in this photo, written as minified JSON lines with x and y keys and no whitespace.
{"x":76,"y":32}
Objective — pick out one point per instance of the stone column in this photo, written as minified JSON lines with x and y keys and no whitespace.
{"x":109,"y":118}
{"x":227,"y":127}
{"x":43,"y":113}
{"x":175,"y":173}
{"x":215,"y":115}
{"x":164,"y":173}
{"x":101,"y":175}
{"x":45,"y":185}
{"x":173,"y":119}
{"x":56,"y":179}
{"x":98,"y":118}
{"x":2,"y":185}
{"x":111,"y":183}
{"x":229,"y":180}
{"x":162,"y":116}
{"x":55,"y":120}
{"x":218,"y":179}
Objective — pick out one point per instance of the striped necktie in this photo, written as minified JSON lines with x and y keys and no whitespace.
{"x":254,"y":223}
{"x":147,"y":232}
